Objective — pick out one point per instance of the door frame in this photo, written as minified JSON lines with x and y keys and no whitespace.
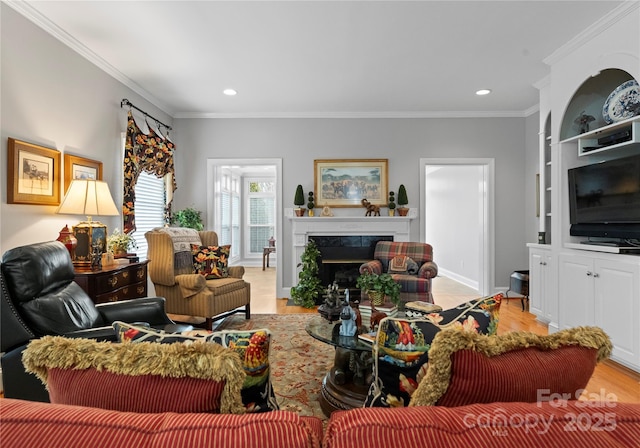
{"x":486,"y":284}
{"x":213,"y":163}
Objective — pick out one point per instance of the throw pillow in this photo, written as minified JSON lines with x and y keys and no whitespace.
{"x":401,"y":264}
{"x":401,"y":351}
{"x":182,"y":238}
{"x":143,"y":378}
{"x":211,"y":261}
{"x":251,"y":345}
{"x":467,"y":368}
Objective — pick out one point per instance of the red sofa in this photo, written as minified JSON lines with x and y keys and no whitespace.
{"x":552,"y":424}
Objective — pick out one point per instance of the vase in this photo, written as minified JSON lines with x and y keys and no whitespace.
{"x":402,"y":211}
{"x":311,"y":212}
{"x":377,"y":297}
{"x":392,"y":212}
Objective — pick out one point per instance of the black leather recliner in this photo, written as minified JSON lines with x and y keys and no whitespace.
{"x":39,"y":297}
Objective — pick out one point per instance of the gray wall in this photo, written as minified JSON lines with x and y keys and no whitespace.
{"x":54,"y":97}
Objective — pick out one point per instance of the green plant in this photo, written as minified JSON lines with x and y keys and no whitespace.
{"x":384,"y":283}
{"x":121,"y":242}
{"x":310,"y":203}
{"x":391,"y":204}
{"x":309,"y":287}
{"x":299,"y":197}
{"x":402,"y":196}
{"x":189,"y":217}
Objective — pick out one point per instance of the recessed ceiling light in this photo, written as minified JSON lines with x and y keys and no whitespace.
{"x":483,"y":92}
{"x":229,"y":92}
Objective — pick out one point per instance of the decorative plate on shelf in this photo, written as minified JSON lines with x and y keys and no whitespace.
{"x":622,"y":103}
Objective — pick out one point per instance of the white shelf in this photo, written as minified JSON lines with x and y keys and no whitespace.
{"x":590,"y":139}
{"x":595,"y":248}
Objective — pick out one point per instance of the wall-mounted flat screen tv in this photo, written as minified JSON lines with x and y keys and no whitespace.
{"x":604,"y":199}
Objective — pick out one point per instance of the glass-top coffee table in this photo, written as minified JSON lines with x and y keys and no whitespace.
{"x":346,"y":384}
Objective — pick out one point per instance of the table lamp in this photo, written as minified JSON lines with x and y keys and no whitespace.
{"x":88,"y":197}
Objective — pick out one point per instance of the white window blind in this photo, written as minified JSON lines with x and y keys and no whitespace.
{"x":149,"y":208}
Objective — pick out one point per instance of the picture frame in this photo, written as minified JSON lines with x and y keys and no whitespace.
{"x":76,"y":167}
{"x":346,"y":182}
{"x":33,"y":174}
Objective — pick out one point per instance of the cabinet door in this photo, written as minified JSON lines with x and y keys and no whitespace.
{"x":576,"y":291}
{"x":536,"y":283}
{"x":550,"y":299}
{"x":617,"y":294}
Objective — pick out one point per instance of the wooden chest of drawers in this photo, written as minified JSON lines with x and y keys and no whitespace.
{"x":113,"y":283}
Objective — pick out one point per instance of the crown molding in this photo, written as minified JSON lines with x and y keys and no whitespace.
{"x":588,"y":34}
{"x":360,"y":115}
{"x":32,"y":14}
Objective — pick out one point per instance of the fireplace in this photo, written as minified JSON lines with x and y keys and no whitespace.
{"x":341,"y":257}
{"x":346,"y":255}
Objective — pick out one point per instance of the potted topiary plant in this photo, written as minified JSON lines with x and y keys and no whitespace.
{"x":299,"y":201}
{"x":402,"y":201}
{"x":392,"y":204}
{"x":189,"y":217}
{"x":311,"y":204}
{"x":309,"y":289}
{"x":120,"y":243}
{"x":379,"y":286}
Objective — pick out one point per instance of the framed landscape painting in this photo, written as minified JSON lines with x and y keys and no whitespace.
{"x":80,"y":168}
{"x":346,"y":182}
{"x":33,"y":174}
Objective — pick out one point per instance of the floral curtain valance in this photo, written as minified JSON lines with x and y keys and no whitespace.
{"x":150,"y":153}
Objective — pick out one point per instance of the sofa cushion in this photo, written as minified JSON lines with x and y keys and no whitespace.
{"x":466,"y":368}
{"x":28,"y":424}
{"x":143,"y":377}
{"x":251,"y":345}
{"x":401,"y":350}
{"x":211,"y":261}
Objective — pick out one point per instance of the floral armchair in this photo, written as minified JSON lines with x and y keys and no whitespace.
{"x":410,"y":264}
{"x":214,"y":293}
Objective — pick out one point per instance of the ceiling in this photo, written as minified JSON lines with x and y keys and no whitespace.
{"x":323,"y":58}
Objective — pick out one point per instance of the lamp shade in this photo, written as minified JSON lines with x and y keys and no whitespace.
{"x":88,"y":197}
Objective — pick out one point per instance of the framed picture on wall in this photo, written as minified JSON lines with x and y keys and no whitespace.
{"x":33,"y":174}
{"x":346,"y":182}
{"x":80,"y":168}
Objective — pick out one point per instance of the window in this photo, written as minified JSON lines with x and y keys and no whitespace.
{"x":150,"y":204}
{"x":260,"y":202}
{"x":230,"y":213}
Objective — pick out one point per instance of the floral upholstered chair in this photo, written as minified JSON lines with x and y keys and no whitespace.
{"x":410,"y":264}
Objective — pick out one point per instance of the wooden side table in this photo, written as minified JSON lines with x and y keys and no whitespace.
{"x":113,"y":283}
{"x":265,"y":255}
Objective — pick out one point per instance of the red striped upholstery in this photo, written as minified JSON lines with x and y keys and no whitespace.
{"x":37,"y":425}
{"x":144,"y":393}
{"x":519,"y":375}
{"x":496,"y":425}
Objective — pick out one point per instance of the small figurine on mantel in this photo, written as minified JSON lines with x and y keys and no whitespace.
{"x":348,"y":316}
{"x":583,"y":121}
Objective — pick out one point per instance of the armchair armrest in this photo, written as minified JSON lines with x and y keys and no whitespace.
{"x":147,"y":309}
{"x":372,"y":267}
{"x":428,"y":270}
{"x":236,"y":271}
{"x":191,"y":284}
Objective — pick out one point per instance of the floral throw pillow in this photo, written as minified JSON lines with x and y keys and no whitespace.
{"x":251,"y":345}
{"x":211,"y":261}
{"x":401,"y":350}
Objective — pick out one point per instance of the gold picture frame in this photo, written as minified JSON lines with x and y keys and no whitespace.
{"x":346,"y":182}
{"x":33,"y":174}
{"x":76,"y":167}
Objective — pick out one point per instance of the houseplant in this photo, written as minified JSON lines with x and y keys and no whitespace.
{"x":392,"y":204}
{"x":309,"y":288}
{"x":402,"y":201}
{"x":189,"y":217}
{"x":299,"y":201}
{"x":311,"y":204}
{"x":120,"y":243}
{"x":379,"y":286}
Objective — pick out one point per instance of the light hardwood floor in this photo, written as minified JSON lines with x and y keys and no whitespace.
{"x":609,"y":379}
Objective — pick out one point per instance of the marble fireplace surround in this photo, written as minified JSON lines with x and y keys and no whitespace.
{"x":303,"y":227}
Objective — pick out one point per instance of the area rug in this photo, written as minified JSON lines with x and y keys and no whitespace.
{"x":298,"y":362}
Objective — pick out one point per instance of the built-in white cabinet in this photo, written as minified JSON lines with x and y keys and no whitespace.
{"x":543,"y":301}
{"x":603,"y":290}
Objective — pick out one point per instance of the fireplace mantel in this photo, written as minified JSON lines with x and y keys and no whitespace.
{"x":303,"y":227}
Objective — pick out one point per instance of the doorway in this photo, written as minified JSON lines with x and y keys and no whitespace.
{"x":233,"y":205}
{"x":462,"y":235}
